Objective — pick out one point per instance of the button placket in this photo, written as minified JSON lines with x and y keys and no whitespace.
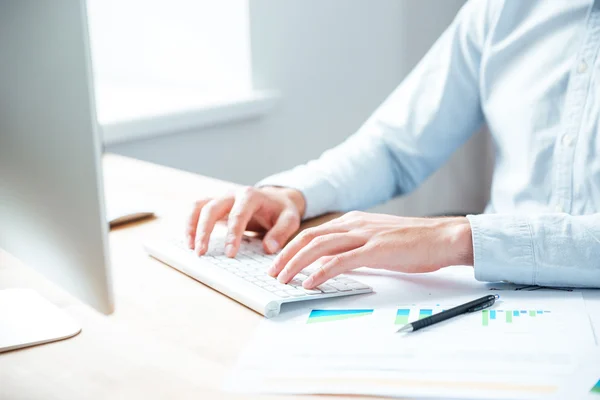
{"x":575,"y":105}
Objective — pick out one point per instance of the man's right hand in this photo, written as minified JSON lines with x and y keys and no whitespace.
{"x":274,"y":210}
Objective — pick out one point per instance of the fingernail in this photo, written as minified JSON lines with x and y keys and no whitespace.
{"x":271,"y":270}
{"x":282,"y":277}
{"x":229,"y":250}
{"x":199,"y":248}
{"x":272,"y":245}
{"x":308,"y":283}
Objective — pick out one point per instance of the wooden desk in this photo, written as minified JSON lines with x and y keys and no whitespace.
{"x":170,"y":336}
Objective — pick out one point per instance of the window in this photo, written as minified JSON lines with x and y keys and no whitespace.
{"x":166,"y":58}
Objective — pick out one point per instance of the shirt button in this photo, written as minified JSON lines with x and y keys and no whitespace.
{"x":582,"y":67}
{"x":567,"y":140}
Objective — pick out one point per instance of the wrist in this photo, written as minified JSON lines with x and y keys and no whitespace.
{"x":298,"y":199}
{"x":459,"y":250}
{"x":293,"y":195}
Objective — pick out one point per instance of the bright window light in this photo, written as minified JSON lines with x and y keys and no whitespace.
{"x":156,"y":56}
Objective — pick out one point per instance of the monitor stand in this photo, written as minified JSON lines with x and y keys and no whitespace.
{"x":27,"y":319}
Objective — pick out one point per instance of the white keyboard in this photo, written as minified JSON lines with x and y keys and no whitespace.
{"x":244,"y":277}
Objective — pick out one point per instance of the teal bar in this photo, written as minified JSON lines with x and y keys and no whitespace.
{"x":424,"y":313}
{"x":515,"y":313}
{"x":492,"y":314}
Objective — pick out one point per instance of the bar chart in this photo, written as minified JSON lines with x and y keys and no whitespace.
{"x":508,"y":316}
{"x":502,"y":320}
{"x":411,"y":314}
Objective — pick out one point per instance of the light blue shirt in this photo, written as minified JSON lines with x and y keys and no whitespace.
{"x":530,"y":71}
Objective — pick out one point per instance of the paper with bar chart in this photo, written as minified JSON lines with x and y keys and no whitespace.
{"x":527,"y":319}
{"x":523,"y":345}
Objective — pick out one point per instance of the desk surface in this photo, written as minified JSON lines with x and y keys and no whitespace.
{"x":170,"y":336}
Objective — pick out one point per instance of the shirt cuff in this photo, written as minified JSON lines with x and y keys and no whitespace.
{"x":503,"y":248}
{"x":319,"y":194}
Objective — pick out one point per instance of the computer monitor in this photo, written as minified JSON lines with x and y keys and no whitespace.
{"x":51,"y":195}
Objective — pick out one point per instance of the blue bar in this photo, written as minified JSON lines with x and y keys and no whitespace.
{"x":546,"y":311}
{"x":326,"y":313}
{"x":403,"y":311}
{"x":523,"y":312}
{"x":425,"y":311}
{"x":500,"y":310}
{"x":515,"y":313}
{"x":492,"y":314}
{"x":540,"y":312}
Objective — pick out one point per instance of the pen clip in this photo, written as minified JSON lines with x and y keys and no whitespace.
{"x":482,"y":306}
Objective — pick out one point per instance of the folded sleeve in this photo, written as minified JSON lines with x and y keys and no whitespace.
{"x":432,"y":113}
{"x":546,"y":249}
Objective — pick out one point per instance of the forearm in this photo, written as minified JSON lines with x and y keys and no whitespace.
{"x":356,"y":174}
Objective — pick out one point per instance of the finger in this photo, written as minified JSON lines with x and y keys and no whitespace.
{"x":213,"y":211}
{"x":338,"y":264}
{"x":193,"y":221}
{"x":321,"y":246}
{"x":286,"y":225}
{"x":298,"y":243}
{"x":246,"y":203}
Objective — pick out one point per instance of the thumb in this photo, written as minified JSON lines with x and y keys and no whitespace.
{"x":286,"y":225}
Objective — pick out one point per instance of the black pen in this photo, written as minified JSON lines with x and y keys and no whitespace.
{"x":472,"y":306}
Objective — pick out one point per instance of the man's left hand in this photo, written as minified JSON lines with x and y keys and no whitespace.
{"x":359,"y":239}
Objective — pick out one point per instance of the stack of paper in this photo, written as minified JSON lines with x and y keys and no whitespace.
{"x":528,"y":345}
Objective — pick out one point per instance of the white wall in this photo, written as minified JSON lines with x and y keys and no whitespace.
{"x":333,"y":62}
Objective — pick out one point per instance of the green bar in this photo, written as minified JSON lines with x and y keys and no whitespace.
{"x":532,"y":313}
{"x":401,"y":320}
{"x":485,"y":316}
{"x":425,"y":312}
{"x":508,"y":317}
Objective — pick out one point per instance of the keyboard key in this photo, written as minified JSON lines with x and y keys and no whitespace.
{"x":281,"y":293}
{"x":341,"y":287}
{"x":295,"y":292}
{"x":312,"y":291}
{"x":327,"y":288}
{"x":357,"y":285}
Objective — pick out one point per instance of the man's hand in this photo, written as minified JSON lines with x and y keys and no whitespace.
{"x":278,"y":211}
{"x":360,"y":239}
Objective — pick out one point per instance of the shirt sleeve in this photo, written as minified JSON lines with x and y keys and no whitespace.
{"x":432,"y":113}
{"x":546,"y":249}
